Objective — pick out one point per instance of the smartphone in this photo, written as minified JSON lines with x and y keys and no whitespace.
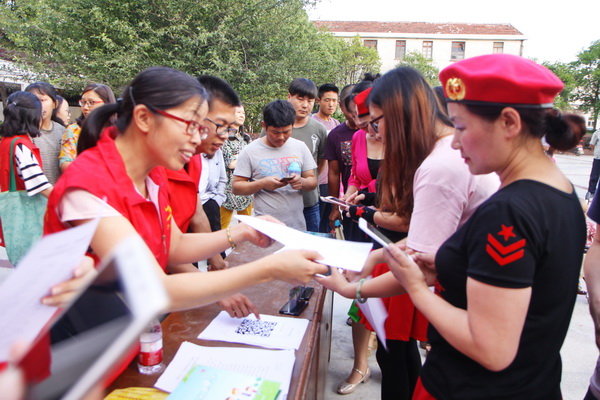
{"x":286,"y":179}
{"x":335,"y":200}
{"x":374,"y":232}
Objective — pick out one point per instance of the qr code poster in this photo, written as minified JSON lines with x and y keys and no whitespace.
{"x":268,"y":331}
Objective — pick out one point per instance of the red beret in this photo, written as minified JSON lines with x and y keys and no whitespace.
{"x":361,"y":102}
{"x":500,"y":79}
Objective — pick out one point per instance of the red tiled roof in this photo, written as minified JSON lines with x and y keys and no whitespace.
{"x":418,"y":27}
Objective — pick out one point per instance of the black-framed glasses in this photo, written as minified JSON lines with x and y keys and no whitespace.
{"x":222,"y":129}
{"x":375,"y":124}
{"x":91,"y":103}
{"x":192,"y":126}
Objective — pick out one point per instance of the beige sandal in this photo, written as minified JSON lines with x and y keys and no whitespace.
{"x":347,"y":388}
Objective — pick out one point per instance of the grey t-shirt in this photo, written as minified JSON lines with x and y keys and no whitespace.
{"x":313,"y":134}
{"x":257,"y":160}
{"x":49,"y":144}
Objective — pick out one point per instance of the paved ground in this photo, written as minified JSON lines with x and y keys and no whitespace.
{"x":579,"y":352}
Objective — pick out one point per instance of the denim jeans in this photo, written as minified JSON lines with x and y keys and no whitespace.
{"x":312,"y":217}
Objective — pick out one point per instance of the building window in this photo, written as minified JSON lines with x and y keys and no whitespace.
{"x":498,"y":48}
{"x":400,"y":49}
{"x":370,"y":43}
{"x":458,"y":51}
{"x":428,"y":49}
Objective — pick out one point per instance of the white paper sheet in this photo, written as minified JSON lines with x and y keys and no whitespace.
{"x":274,"y":365}
{"x":336,"y":253}
{"x":270,"y":331}
{"x":376,"y":313}
{"x":50,"y":261}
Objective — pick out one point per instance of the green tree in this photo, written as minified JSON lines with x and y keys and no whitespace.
{"x":356,"y":60}
{"x":422,"y":64}
{"x":587,"y":76}
{"x":566,"y":73}
{"x":259,"y":46}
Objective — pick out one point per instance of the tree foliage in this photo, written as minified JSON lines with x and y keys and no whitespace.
{"x":259,"y":46}
{"x":422,"y":64}
{"x":586,"y":70}
{"x":566,"y":74}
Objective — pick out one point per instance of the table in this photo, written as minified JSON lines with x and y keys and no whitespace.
{"x":312,"y":358}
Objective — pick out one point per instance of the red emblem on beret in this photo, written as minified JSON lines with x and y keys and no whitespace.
{"x":455,"y":88}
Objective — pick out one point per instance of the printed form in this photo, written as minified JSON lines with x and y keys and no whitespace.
{"x":274,"y":365}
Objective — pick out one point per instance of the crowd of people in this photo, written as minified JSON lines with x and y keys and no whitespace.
{"x":488,"y":233}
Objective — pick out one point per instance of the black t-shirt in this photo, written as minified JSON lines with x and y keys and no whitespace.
{"x":528,"y":234}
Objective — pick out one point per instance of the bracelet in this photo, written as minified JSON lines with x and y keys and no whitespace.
{"x":358,"y":295}
{"x":231,"y":242}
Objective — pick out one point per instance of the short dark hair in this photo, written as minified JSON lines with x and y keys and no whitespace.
{"x":279,"y":113}
{"x":345,"y":95}
{"x":218,"y":88}
{"x":303,"y":87}
{"x":327,"y":87}
{"x":22,"y":115}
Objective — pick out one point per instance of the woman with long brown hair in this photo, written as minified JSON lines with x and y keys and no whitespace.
{"x":425,"y":189}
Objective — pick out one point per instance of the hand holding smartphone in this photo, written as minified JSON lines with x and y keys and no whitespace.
{"x":374,"y":233}
{"x":336,"y":201}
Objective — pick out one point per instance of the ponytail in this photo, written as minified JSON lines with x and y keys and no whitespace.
{"x":564,"y":131}
{"x":159,"y":88}
{"x":94,"y":124}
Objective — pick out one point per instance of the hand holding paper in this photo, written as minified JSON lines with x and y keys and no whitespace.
{"x":336,"y":253}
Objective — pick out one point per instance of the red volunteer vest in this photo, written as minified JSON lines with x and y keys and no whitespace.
{"x":101,"y":171}
{"x":183,"y":192}
{"x":5,"y":160}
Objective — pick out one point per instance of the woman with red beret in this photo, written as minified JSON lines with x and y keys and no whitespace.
{"x":507,"y":279}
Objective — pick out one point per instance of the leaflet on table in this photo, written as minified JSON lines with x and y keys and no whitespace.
{"x":336,"y":253}
{"x":206,"y":383}
{"x":269,"y":331}
{"x":50,"y":261}
{"x":376,"y":313}
{"x":272,"y":365}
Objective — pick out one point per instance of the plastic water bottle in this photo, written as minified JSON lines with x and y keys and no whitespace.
{"x":151,"y":349}
{"x":294,"y":168}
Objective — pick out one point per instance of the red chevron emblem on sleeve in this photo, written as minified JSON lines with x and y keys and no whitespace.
{"x":505,"y":254}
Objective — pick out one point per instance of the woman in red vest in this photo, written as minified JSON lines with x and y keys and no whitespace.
{"x":159,"y":123}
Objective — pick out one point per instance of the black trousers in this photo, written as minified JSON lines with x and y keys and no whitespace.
{"x":400,"y":368}
{"x":213,"y":213}
{"x":594,"y":176}
{"x":589,"y":395}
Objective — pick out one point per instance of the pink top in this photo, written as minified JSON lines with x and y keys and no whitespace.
{"x":361,"y":176}
{"x":445,"y":195}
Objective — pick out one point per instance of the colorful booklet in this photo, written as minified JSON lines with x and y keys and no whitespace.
{"x":207,"y":383}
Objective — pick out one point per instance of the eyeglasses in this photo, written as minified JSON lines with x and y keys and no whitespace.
{"x":375,"y":124}
{"x":227,"y":131}
{"x":193,"y":127}
{"x":91,"y":103}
